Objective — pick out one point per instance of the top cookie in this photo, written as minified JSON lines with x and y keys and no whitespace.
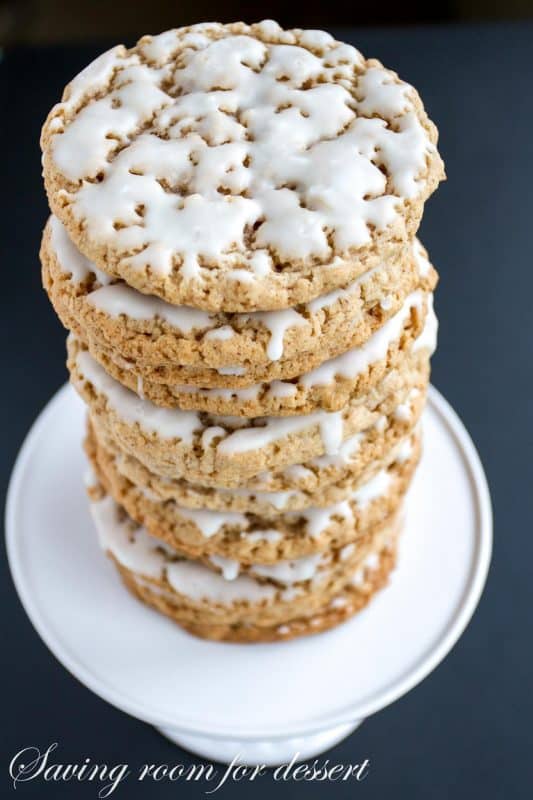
{"x":238,"y":167}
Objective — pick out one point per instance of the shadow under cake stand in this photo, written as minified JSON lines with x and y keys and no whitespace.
{"x":265,"y":702}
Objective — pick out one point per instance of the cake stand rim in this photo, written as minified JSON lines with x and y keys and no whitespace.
{"x":352,"y":712}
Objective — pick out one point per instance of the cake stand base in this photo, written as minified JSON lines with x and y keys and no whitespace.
{"x":268,"y":752}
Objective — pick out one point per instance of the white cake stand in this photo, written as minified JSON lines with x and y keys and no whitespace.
{"x":265,"y":702}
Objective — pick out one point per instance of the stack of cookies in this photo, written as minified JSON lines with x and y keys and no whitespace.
{"x":233,"y":251}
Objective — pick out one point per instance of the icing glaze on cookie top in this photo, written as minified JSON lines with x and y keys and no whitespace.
{"x":244,"y":148}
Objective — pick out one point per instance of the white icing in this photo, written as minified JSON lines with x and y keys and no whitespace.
{"x":338,"y":602}
{"x":281,"y":389}
{"x":277,"y":499}
{"x":200,"y":583}
{"x":358,"y":359}
{"x":330,"y":298}
{"x":230,"y":569}
{"x":372,"y":489}
{"x":297,"y":472}
{"x":295,"y":163}
{"x":269,"y":535}
{"x":372,"y":561}
{"x":274,"y":428}
{"x":135,"y":550}
{"x":210,"y":523}
{"x":212,"y":433}
{"x":221,"y":334}
{"x":232,"y":370}
{"x":403,"y":451}
{"x":318,"y":519}
{"x":138,"y":551}
{"x":403,"y":411}
{"x":168,"y":423}
{"x":344,"y":455}
{"x":278,"y":323}
{"x":381,"y":423}
{"x":428,"y":337}
{"x":331,"y":430}
{"x":347,"y":551}
{"x":349,"y":364}
{"x":69,"y":258}
{"x":421,"y":259}
{"x":243,"y":435}
{"x":118,"y":299}
{"x":358,"y":578}
{"x":289,"y":572}
{"x":290,"y":593}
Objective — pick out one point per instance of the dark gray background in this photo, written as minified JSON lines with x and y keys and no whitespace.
{"x":467,"y":728}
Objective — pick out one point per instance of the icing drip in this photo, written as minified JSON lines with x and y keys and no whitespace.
{"x":289,"y":572}
{"x":164,"y":422}
{"x":232,"y":370}
{"x":273,"y":428}
{"x":348,"y":365}
{"x":69,"y":258}
{"x":331,"y":429}
{"x":428,"y":337}
{"x":199,"y":583}
{"x":318,"y":519}
{"x":374,"y":488}
{"x":342,"y":456}
{"x":347,"y":551}
{"x":404,"y":451}
{"x":278,"y":323}
{"x":277,"y":499}
{"x":355,"y":361}
{"x":142,"y":554}
{"x":228,"y":567}
{"x":116,"y":299}
{"x":210,"y":523}
{"x":271,"y":536}
{"x":421,"y":259}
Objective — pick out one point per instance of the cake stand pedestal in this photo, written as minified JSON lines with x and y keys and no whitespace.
{"x":261,"y":703}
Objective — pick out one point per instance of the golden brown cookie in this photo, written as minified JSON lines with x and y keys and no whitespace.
{"x":143,"y":339}
{"x":250,"y":537}
{"x":239,"y":167}
{"x":321,"y":482}
{"x":226,"y":451}
{"x":259,"y":600}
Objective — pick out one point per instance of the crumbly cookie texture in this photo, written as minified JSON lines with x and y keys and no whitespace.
{"x":239,"y":167}
{"x":349,"y":600}
{"x":321,"y":482}
{"x":229,"y":450}
{"x":223,"y":595}
{"x":330,"y":386}
{"x":249,"y":537}
{"x":172,"y":345}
